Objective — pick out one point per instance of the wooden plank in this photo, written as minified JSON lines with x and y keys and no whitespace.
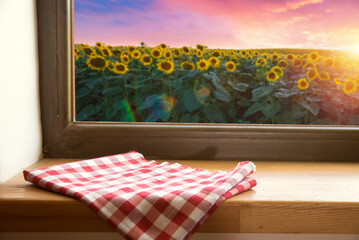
{"x":291,"y":197}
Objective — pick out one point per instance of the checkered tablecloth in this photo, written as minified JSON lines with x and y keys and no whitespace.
{"x":145,"y":199}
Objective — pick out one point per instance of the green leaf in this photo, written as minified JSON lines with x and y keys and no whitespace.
{"x":253,"y":109}
{"x":270,"y":110}
{"x":112,"y":91}
{"x":214,"y":113}
{"x":311,"y":107}
{"x":186,"y":118}
{"x":223,"y":95}
{"x":284,"y":93}
{"x":260,"y":92}
{"x":94,"y":83}
{"x":189,"y":75}
{"x":240,"y":87}
{"x":88,"y":111}
{"x":82,"y":92}
{"x":190,"y":101}
{"x":244,"y":102}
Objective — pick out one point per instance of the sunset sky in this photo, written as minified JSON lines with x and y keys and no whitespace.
{"x":235,"y":24}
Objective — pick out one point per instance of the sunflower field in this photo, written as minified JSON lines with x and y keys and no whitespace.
{"x":202,"y":85}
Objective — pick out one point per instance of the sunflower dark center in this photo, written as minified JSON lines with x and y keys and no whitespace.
{"x":98,"y":62}
{"x":202,"y":64}
{"x":88,"y":51}
{"x":106,"y":52}
{"x":116,"y":52}
{"x":311,"y":74}
{"x":230,"y":66}
{"x":120,"y":68}
{"x":146,"y":59}
{"x":166,"y":66}
{"x":156,"y":53}
{"x":216,"y":54}
{"x":271,"y":75}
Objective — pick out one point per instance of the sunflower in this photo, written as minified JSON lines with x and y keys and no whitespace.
{"x":339,"y":81}
{"x":116,"y":52}
{"x":305,"y":56}
{"x":106,"y":51}
{"x":282,"y":64}
{"x":135,"y":54}
{"x":88,"y":50}
{"x":329,"y":62}
{"x":98,"y":44}
{"x":76,"y":56}
{"x":230,"y":66}
{"x":125,"y":58}
{"x":261,"y":62}
{"x":200,"y":47}
{"x":163,"y":46}
{"x":187,"y":66}
{"x":146,"y":59}
{"x":97,"y":63}
{"x":289,"y":57}
{"x":350,"y":86}
{"x":120,"y":68}
{"x":256,"y":53}
{"x":314,"y":56}
{"x":275,"y":56}
{"x":303,"y":84}
{"x":186,"y":50}
{"x":272,"y":76}
{"x":216,"y":53}
{"x":176,"y":53}
{"x":214,"y":62}
{"x":312,"y":74}
{"x":199,"y":53}
{"x":202,"y":64}
{"x":232,"y":52}
{"x":278,"y":70}
{"x":156,"y":53}
{"x":131,"y":48}
{"x":243,"y":53}
{"x":324,"y":76}
{"x":168,"y":54}
{"x":166,"y":66}
{"x":297,"y":62}
{"x":310,"y":65}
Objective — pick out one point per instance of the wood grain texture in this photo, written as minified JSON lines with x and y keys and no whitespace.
{"x":291,"y":197}
{"x":64,"y":137}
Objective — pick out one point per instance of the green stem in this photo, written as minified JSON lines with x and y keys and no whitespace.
{"x":306,"y":110}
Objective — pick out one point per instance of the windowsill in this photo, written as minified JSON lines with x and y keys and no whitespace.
{"x":291,"y":197}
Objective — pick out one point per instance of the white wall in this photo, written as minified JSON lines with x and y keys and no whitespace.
{"x":20,"y":131}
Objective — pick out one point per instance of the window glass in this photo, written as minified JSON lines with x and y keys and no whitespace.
{"x":215,"y":61}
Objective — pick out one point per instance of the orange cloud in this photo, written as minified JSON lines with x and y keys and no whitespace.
{"x":292,"y":5}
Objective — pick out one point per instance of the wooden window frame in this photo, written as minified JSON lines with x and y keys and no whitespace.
{"x":64,"y":137}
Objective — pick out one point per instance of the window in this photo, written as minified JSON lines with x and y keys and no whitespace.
{"x":64,"y":137}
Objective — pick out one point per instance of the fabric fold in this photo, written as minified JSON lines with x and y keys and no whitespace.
{"x":145,"y":199}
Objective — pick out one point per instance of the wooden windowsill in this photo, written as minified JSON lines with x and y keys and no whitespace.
{"x":291,"y":197}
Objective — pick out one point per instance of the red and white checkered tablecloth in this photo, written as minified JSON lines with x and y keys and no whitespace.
{"x":145,"y":199}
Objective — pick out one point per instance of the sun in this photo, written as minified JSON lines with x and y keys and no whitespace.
{"x":357,"y":48}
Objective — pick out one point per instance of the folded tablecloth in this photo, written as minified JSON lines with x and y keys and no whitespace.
{"x":145,"y":199}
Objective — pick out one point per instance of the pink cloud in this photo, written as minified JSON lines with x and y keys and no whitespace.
{"x":228,"y":24}
{"x":292,"y":5}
